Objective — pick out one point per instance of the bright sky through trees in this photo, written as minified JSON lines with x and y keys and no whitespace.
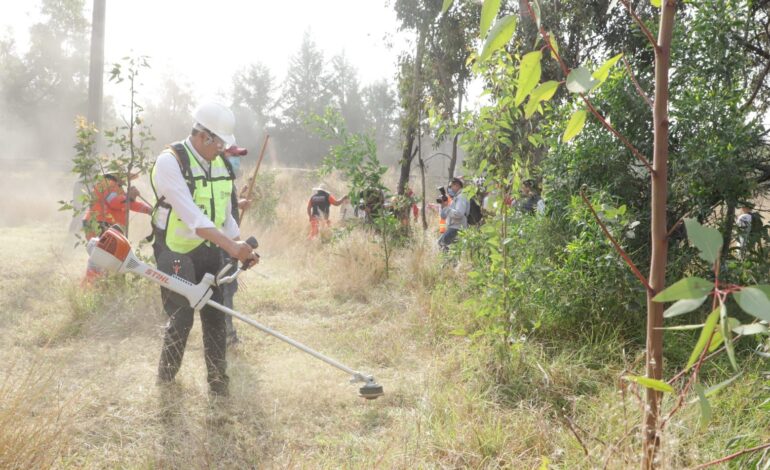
{"x":202,"y":43}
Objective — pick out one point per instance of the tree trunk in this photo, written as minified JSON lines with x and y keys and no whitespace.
{"x":453,"y":160}
{"x":422,"y":179}
{"x":412,"y":120}
{"x":96,"y":65}
{"x":95,"y":92}
{"x":658,"y":232}
{"x":727,"y":235}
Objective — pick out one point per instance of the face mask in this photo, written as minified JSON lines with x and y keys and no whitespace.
{"x":235,"y":163}
{"x":451,"y":192}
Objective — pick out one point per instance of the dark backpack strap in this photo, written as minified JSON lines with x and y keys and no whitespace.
{"x":180,"y":153}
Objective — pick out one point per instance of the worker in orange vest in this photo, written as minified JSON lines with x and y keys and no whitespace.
{"x":318,"y":209}
{"x":108,"y":208}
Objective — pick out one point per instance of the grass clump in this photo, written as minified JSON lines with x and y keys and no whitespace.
{"x":34,"y":417}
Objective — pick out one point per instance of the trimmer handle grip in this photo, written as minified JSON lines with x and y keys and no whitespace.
{"x":222,"y":277}
{"x":252,"y":242}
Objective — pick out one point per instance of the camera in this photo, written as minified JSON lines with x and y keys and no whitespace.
{"x":443,"y":198}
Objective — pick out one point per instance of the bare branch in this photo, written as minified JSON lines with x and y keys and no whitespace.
{"x":645,"y":30}
{"x":571,"y":427}
{"x":732,"y":456}
{"x":636,"y":83}
{"x":615,"y":244}
{"x":760,"y":82}
{"x":617,"y":134}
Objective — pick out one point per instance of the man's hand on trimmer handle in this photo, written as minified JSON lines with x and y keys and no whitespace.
{"x":244,"y":252}
{"x":252,"y":242}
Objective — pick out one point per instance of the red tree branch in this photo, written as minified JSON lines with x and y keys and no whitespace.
{"x":645,"y":30}
{"x":732,"y":456}
{"x":620,"y":250}
{"x":565,"y":69}
{"x":617,"y":134}
{"x":636,"y":83}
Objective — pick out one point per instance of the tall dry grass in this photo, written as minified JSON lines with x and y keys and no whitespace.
{"x":35,"y":416}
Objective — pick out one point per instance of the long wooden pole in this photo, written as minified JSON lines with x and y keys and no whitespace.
{"x":254,"y":176}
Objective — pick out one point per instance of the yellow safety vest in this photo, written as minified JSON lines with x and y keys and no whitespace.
{"x":212,"y":193}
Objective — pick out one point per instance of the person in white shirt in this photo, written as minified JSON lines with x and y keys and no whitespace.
{"x":192,"y":221}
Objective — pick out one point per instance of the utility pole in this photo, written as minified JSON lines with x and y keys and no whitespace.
{"x":96,"y":65}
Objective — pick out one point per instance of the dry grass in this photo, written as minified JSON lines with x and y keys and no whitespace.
{"x":34,"y":416}
{"x":88,"y":399}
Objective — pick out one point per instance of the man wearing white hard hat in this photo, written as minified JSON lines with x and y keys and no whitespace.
{"x":192,"y":221}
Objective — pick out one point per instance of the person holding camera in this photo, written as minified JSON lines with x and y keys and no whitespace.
{"x":455,"y":212}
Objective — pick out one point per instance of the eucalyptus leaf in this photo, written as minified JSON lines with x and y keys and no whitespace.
{"x":554,"y":44}
{"x":708,"y":240}
{"x":687,"y":288}
{"x":751,"y":329}
{"x":446,"y":6}
{"x":683,"y":306}
{"x":529,"y":75}
{"x":531,"y":107}
{"x":489,"y":11}
{"x":681,"y":327}
{"x":579,"y":80}
{"x":716,"y":340}
{"x":575,"y":125}
{"x":714,"y":389}
{"x":705,"y":406}
{"x":724,"y":326}
{"x":536,"y":8}
{"x":654,"y":384}
{"x":753,"y":301}
{"x":655,"y":3}
{"x":705,"y":334}
{"x":543,"y":92}
{"x":603,"y":72}
{"x":499,"y":35}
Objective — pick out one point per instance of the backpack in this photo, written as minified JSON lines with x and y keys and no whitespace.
{"x":320,"y":203}
{"x":474,"y":212}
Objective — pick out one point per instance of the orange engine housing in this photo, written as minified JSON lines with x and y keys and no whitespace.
{"x":114,"y":243}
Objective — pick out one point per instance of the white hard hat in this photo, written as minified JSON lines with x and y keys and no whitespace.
{"x":217,"y":118}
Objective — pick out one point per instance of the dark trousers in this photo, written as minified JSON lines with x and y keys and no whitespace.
{"x":447,"y":238}
{"x":204,"y":259}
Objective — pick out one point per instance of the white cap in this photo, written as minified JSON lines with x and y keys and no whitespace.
{"x":218,"y":119}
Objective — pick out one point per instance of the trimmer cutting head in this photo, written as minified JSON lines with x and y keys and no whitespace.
{"x":370,"y":391}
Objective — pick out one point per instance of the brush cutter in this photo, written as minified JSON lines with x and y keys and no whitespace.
{"x":112,"y":252}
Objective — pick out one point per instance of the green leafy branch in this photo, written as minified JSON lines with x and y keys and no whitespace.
{"x":690,"y":293}
{"x":578,"y":80}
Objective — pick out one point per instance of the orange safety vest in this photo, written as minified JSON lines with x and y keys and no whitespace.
{"x":111,"y":211}
{"x":442,"y":222}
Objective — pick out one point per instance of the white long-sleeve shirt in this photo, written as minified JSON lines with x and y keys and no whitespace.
{"x":170,"y":184}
